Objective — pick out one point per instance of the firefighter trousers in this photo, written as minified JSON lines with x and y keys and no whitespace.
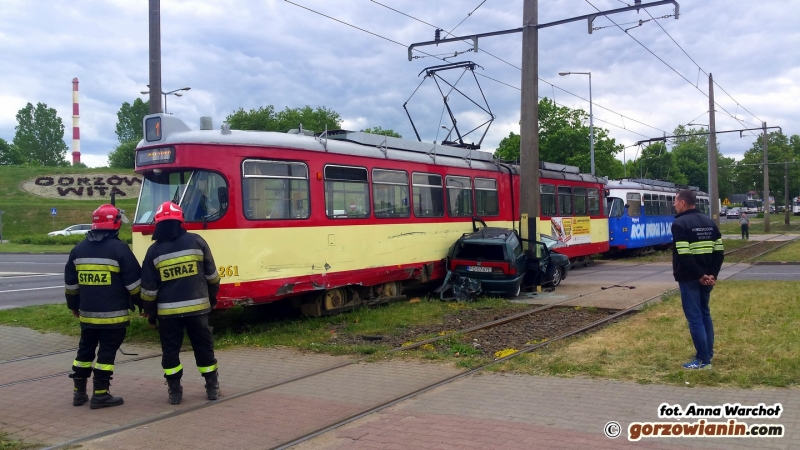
{"x":171,"y":332}
{"x":109,"y":340}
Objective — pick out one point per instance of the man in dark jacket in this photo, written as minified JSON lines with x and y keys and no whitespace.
{"x":101,"y":282}
{"x":179,"y":286}
{"x":696,"y":261}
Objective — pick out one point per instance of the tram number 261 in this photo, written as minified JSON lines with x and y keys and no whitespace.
{"x":230,"y":271}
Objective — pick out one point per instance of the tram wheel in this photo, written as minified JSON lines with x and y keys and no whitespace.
{"x":334,"y":299}
{"x":392,"y":289}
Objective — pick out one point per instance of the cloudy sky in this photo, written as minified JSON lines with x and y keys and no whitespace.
{"x":251,"y":53}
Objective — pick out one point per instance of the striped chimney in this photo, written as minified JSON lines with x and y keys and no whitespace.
{"x":76,"y":129}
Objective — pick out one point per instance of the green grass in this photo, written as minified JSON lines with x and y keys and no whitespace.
{"x":255,"y":328}
{"x":29,"y":215}
{"x":6,"y":443}
{"x":776,"y":222}
{"x":757,"y":342}
{"x":789,"y":252}
{"x":26,"y":248}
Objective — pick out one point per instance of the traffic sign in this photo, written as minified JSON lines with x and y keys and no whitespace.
{"x":726,"y":202}
{"x":52,"y":211}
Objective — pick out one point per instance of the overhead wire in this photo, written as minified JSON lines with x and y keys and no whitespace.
{"x":553,"y":86}
{"x":479,"y":74}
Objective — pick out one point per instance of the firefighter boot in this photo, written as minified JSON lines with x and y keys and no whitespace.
{"x":212,"y":385}
{"x":175,"y":391}
{"x":79,"y":395}
{"x":102,"y":398}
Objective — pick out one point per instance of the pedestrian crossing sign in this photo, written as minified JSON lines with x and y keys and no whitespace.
{"x":52,"y":211}
{"x":726,"y":202}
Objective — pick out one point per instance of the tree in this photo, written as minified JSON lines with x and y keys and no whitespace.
{"x":564,"y":139}
{"x":39,"y":136}
{"x":129,"y":120}
{"x":9,"y":155}
{"x":123,"y":157}
{"x":266,"y":119}
{"x":691,"y":155}
{"x":656,"y":162}
{"x":780,"y":148}
{"x":381,"y":131}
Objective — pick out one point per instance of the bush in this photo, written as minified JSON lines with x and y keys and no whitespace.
{"x":65,"y":240}
{"x":760,"y":215}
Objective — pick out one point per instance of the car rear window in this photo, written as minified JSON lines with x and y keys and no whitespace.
{"x":484,"y":252}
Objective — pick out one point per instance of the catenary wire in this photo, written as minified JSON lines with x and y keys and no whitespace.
{"x":468,"y":16}
{"x":553,"y":86}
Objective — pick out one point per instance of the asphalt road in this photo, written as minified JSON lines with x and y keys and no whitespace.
{"x":27,"y":280}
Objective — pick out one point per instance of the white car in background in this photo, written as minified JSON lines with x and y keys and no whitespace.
{"x":81,"y":229}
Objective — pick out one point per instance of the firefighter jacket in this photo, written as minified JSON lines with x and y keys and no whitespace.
{"x":179,"y":278}
{"x":101,"y":280}
{"x":698,"y":249}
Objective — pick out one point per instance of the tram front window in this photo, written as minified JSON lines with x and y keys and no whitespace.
{"x":201,"y":195}
{"x":615,"y":207}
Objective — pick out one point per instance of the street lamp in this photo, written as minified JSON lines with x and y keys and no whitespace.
{"x":176,"y":93}
{"x":591,"y":121}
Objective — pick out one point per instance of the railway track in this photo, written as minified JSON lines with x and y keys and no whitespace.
{"x":374,"y":409}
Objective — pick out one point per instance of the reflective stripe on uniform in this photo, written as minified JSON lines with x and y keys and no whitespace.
{"x":718,"y":247}
{"x":702,"y":247}
{"x":101,"y":261}
{"x":83,"y":364}
{"x":173,"y":370}
{"x":135,"y":291}
{"x":683,"y":248}
{"x":106,"y":367}
{"x":213,"y":278}
{"x":186,"y":306}
{"x":71,"y":291}
{"x":71,"y":287}
{"x":100,"y":391}
{"x":104,"y":318}
{"x":208,"y":369}
{"x":148,"y":295}
{"x":178,"y":257}
{"x":96,"y":267}
{"x":134,"y":285}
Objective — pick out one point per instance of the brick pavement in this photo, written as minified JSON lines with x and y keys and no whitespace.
{"x":19,"y":342}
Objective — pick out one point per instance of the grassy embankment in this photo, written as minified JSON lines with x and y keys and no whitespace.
{"x":27,"y":219}
{"x":758,"y":343}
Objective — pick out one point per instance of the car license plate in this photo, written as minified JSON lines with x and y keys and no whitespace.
{"x":478,"y":269}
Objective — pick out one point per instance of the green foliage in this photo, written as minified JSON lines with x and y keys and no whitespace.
{"x":564,"y":138}
{"x":123,"y":157}
{"x":381,"y":131}
{"x":691,"y":155}
{"x":9,"y":154}
{"x":80,"y":165}
{"x":39,"y":137}
{"x":266,"y":119}
{"x":656,"y":162}
{"x":124,"y":236}
{"x":780,"y":148}
{"x":129,"y":121}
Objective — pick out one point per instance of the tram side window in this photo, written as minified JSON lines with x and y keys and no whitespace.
{"x":648,"y":204}
{"x":275,"y":190}
{"x":634,"y":205}
{"x":459,"y":196}
{"x":548,"y":199}
{"x":428,"y":195}
{"x":579,"y":200}
{"x":564,"y":201}
{"x":205,"y":198}
{"x":346,"y":192}
{"x":664,"y":208}
{"x":671,"y":200}
{"x":594,"y":202}
{"x":390,"y":193}
{"x":486,"y":201}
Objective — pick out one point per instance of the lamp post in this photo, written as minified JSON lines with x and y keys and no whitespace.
{"x":591,"y":117}
{"x":175,"y":92}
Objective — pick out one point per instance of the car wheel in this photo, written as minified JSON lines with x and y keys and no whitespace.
{"x":557,"y":276}
{"x":515,"y":294}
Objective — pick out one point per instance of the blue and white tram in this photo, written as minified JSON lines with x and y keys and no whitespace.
{"x":796,"y":206}
{"x":640,"y":213}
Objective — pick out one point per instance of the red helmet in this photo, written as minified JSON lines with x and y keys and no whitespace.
{"x":106,"y":217}
{"x":169,"y":211}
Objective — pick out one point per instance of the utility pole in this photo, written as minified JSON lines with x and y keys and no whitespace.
{"x":155,"y":56}
{"x":786,"y":192}
{"x":713,"y":187}
{"x":529,"y":122}
{"x":766,"y":180}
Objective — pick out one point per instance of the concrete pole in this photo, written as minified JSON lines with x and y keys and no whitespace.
{"x":155,"y":56}
{"x":766,"y":181}
{"x":786,"y":205}
{"x":529,"y":121}
{"x":713,"y":186}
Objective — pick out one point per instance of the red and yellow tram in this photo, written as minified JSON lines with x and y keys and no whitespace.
{"x":336,"y":219}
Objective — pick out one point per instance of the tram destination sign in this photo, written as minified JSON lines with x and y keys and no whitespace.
{"x":162,"y":155}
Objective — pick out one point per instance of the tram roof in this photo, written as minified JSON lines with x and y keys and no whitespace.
{"x":649,"y":185}
{"x":175,"y":131}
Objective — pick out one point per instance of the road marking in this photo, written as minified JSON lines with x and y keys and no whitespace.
{"x":34,"y":289}
{"x":3,"y":276}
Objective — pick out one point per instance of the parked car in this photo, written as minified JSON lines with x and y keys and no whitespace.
{"x":72,"y":230}
{"x":733,"y":213}
{"x":560,"y":263}
{"x":495,"y":257}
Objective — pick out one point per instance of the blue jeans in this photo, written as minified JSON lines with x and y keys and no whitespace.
{"x":694,"y":298}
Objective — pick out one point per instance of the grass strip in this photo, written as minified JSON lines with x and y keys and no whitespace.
{"x":6,"y":443}
{"x":787,"y":253}
{"x":757,"y":342}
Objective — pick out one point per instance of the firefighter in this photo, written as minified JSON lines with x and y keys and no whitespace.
{"x":179,"y":287}
{"x":102,"y":282}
